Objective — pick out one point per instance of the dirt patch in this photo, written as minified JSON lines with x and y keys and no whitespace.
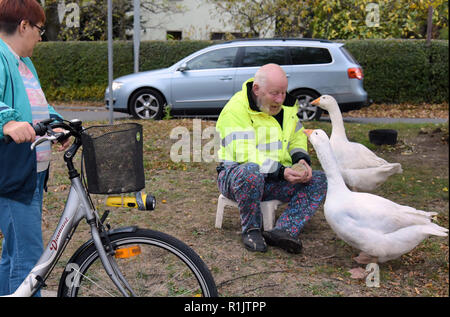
{"x":401,"y":111}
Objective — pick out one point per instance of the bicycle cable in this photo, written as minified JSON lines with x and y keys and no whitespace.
{"x":83,"y":180}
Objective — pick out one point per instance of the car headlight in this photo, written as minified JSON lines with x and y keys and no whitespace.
{"x":116,"y":85}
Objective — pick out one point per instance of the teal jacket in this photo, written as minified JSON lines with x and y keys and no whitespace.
{"x":17,"y":161}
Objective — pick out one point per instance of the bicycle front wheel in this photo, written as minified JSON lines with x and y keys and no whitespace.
{"x":153,"y":264}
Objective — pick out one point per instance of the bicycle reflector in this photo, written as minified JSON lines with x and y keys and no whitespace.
{"x":125,"y":253}
{"x":140,"y":201}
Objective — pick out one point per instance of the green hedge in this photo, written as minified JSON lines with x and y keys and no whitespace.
{"x":403,"y":71}
{"x":395,"y":71}
{"x":79,"y":70}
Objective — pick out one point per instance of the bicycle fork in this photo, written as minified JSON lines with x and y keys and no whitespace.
{"x":94,"y":221}
{"x":107,"y":259}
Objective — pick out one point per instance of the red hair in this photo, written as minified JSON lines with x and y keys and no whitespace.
{"x":12,"y":12}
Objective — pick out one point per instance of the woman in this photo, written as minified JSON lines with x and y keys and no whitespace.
{"x":22,"y":172}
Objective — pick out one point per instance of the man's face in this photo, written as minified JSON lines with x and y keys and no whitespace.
{"x":270,"y":95}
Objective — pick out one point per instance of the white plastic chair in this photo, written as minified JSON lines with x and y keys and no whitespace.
{"x":267,"y":208}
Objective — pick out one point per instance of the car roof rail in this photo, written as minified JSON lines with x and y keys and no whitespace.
{"x":280,"y":39}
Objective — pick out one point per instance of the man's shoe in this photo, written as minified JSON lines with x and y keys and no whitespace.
{"x":282,"y":239}
{"x":254,"y":241}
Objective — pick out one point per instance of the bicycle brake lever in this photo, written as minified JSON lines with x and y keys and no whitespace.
{"x":42,"y":140}
{"x":53,"y":137}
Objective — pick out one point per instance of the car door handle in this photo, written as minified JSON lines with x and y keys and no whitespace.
{"x":226,"y":78}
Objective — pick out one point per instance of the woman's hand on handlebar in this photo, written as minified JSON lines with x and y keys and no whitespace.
{"x":19,"y":131}
{"x":64,"y":143}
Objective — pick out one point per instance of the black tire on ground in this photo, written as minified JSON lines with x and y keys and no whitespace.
{"x":154,"y":264}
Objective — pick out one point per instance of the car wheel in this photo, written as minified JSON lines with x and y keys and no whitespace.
{"x":306,"y":110}
{"x":147,"y":104}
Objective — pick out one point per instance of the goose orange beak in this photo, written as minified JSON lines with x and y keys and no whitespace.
{"x":307,"y":132}
{"x":315,"y":102}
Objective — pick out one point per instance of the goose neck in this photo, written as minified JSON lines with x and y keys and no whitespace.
{"x":330,"y":167}
{"x":337,"y":122}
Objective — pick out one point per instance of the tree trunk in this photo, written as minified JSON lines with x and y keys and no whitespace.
{"x":429,"y":24}
{"x":52,"y":25}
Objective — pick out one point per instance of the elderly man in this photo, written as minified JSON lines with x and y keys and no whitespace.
{"x":264,"y":156}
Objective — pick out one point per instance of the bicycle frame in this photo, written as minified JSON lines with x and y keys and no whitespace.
{"x":77,"y":207}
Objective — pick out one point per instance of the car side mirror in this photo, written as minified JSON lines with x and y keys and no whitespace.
{"x":183,"y":68}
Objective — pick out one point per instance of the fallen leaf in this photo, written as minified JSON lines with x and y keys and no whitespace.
{"x":357,"y":273}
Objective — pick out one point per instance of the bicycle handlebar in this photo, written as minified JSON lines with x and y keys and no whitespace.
{"x":46,"y":126}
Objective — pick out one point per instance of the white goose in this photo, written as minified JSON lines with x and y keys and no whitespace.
{"x":381,"y":229}
{"x":362,"y":169}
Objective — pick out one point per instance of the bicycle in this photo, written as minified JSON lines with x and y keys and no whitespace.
{"x":126,"y":261}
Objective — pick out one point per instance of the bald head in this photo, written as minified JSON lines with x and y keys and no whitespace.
{"x":270,"y":74}
{"x":269,"y":87}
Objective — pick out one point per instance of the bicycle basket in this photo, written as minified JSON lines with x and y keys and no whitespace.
{"x":113,"y":158}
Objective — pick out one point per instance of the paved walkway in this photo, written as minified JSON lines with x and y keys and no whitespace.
{"x":389,"y":120}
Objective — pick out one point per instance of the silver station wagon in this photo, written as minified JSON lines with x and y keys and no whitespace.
{"x":202,"y":83}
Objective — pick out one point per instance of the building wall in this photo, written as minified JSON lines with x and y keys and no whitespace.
{"x":197,"y":21}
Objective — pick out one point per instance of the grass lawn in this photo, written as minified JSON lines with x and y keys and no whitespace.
{"x":186,"y":194}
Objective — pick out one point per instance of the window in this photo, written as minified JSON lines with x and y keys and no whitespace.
{"x":348,"y":55}
{"x":216,"y":36}
{"x":221,"y":58}
{"x":261,"y":55}
{"x":173,"y":35}
{"x":309,"y":55}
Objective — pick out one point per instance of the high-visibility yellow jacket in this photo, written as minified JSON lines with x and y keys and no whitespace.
{"x":251,"y":136}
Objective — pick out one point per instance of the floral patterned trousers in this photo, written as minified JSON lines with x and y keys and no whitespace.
{"x":246,"y":185}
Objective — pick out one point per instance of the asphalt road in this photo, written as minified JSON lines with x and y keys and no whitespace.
{"x":389,"y":120}
{"x":100,"y":113}
{"x":88,"y":113}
